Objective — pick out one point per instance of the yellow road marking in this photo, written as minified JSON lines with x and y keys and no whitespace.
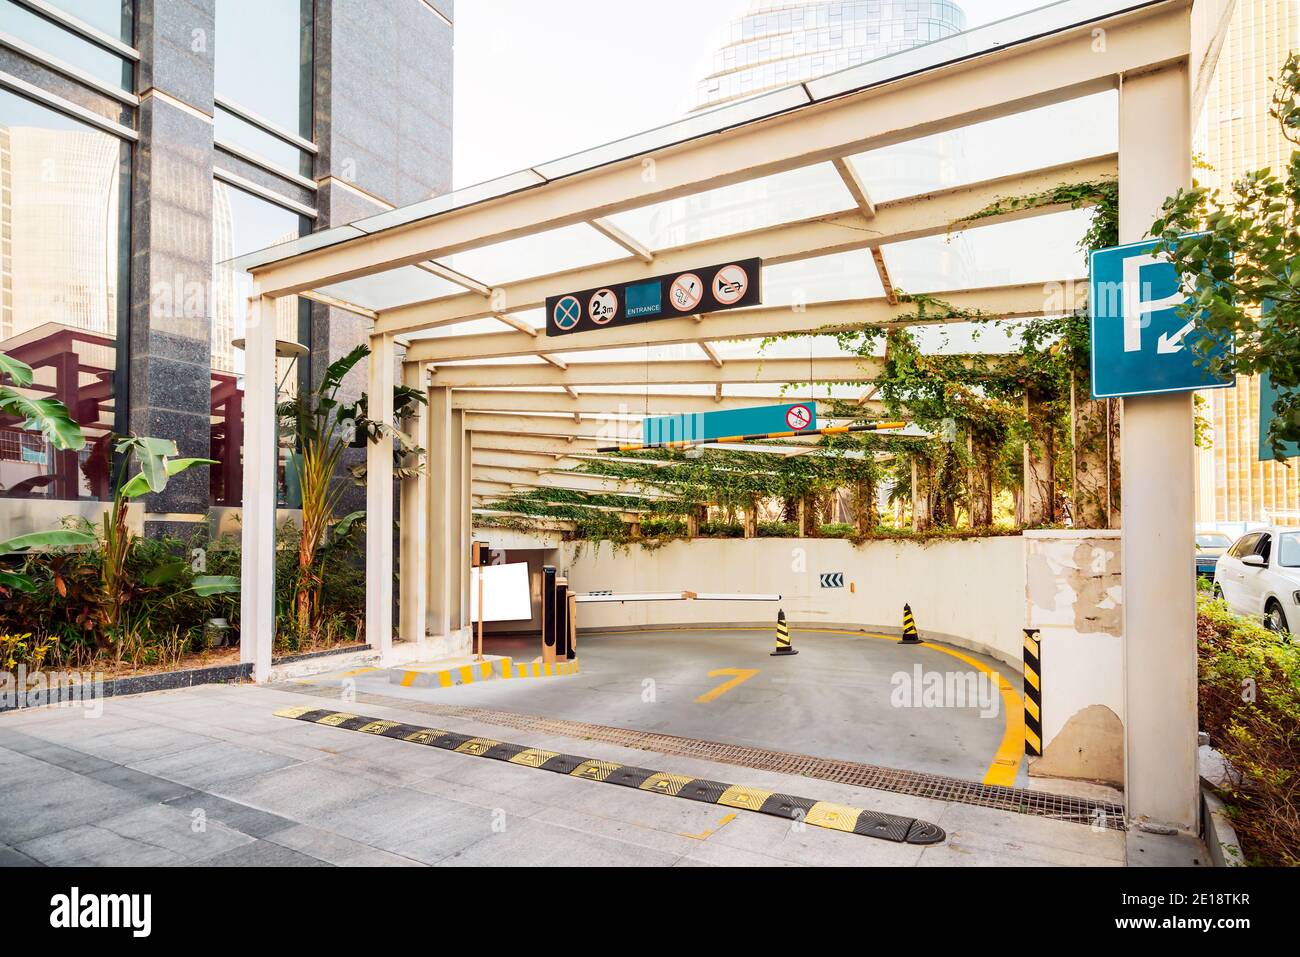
{"x":741,"y":675}
{"x":1005,"y":764}
{"x":708,"y":832}
{"x":408,"y":678}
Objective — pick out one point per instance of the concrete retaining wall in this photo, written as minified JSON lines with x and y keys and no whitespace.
{"x":966,"y":592}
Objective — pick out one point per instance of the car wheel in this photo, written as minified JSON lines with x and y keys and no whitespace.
{"x":1275,"y":618}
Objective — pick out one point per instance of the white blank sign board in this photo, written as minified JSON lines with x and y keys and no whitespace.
{"x":506,"y":596}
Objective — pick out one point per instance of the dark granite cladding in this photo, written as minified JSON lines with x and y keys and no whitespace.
{"x":162,"y":681}
{"x":386,"y":131}
{"x":171,"y":268}
{"x":175,"y":39}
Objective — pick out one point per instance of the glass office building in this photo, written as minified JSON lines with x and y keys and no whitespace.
{"x":142,"y":144}
{"x":780,"y":42}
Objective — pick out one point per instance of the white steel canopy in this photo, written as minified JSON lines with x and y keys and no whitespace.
{"x":847,"y":187}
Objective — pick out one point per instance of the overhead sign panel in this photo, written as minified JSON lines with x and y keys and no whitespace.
{"x":708,"y":426}
{"x":709,"y":289}
{"x":1141,"y":343}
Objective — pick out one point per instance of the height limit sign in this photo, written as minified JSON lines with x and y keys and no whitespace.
{"x":683,"y":293}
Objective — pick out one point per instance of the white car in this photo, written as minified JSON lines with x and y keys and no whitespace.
{"x":1259,"y":576}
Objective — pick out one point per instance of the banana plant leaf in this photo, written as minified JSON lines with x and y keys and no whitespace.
{"x":208,"y":585}
{"x":55,"y":538}
{"x":20,"y":372}
{"x":140,"y":484}
{"x":16,"y":581}
{"x":49,"y":416}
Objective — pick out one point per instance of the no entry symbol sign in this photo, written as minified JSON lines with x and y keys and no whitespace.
{"x":729,"y":284}
{"x":567,"y":312}
{"x":799,"y":417}
{"x":686,"y":292}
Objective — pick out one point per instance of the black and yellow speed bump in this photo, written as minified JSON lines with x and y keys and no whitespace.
{"x":835,"y":817}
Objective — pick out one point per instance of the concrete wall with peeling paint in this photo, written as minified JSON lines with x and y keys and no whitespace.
{"x":1074,"y":596}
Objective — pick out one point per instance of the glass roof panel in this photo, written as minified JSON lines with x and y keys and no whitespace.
{"x":1044,"y":248}
{"x":1072,"y":130}
{"x":540,"y":254}
{"x":850,"y":275}
{"x":754,"y":204}
{"x":986,"y":338}
{"x":395,"y":287}
{"x":470,"y":328}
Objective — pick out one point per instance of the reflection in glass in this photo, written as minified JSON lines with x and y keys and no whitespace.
{"x":63,"y":44}
{"x":263,"y":59}
{"x":113,"y":18}
{"x":241,"y":223}
{"x":229,"y":128}
{"x":62,"y":261}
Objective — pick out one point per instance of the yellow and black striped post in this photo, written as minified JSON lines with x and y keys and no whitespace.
{"x":1033,"y":694}
{"x":783,"y":646}
{"x":910,"y":634}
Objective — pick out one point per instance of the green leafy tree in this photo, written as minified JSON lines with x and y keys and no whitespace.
{"x":1239,"y":258}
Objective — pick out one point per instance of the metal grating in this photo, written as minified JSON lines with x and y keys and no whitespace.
{"x":1058,"y":807}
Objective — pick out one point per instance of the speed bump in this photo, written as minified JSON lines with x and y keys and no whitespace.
{"x":824,"y":814}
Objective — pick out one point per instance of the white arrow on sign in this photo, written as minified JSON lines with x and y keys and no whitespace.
{"x":1137,"y":307}
{"x":1168,"y":344}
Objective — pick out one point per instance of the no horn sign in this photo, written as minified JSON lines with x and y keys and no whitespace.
{"x":681,"y":293}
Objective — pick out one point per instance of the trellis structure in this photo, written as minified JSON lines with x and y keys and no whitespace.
{"x":455,"y":286}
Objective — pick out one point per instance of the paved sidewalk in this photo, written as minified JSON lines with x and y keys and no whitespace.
{"x":209,"y":775}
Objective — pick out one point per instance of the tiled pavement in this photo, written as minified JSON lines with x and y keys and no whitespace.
{"x":208,"y":775}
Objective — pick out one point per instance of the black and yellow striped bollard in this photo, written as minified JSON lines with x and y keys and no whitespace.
{"x":1033,"y":694}
{"x":910,"y":634}
{"x":783,"y":646}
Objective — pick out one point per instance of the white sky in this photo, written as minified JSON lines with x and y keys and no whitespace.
{"x":538,"y":80}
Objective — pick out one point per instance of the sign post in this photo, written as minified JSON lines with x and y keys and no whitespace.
{"x":479,"y":557}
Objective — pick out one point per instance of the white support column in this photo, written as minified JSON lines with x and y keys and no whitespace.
{"x":257,"y":517}
{"x":379,"y":500}
{"x":1158,"y":482}
{"x":414,"y":521}
{"x":465,"y":513}
{"x":443,"y":605}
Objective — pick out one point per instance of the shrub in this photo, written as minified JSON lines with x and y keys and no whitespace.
{"x":722,"y":530}
{"x":1250,"y":706}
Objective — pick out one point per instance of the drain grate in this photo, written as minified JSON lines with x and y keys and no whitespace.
{"x":1058,"y":807}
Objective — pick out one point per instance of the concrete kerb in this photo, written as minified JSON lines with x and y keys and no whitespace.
{"x":1217,"y":830}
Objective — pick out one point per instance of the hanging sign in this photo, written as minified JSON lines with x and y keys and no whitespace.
{"x":683,"y":293}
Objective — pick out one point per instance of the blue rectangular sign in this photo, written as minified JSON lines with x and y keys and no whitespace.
{"x":1141,"y":345}
{"x":707,"y":426}
{"x":1268,"y":394}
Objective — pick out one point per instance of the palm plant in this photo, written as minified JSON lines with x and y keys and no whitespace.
{"x":156,"y":462}
{"x":323,"y":429}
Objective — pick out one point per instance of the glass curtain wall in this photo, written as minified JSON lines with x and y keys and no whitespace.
{"x":64,"y":260}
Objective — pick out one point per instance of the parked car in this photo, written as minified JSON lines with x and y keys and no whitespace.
{"x":1209,"y":546}
{"x":1259,"y":576}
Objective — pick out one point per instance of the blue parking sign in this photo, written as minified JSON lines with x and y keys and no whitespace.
{"x":1141,"y":344}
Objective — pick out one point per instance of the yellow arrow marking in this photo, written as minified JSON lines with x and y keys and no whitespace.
{"x":704,"y":835}
{"x":741,"y":675}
